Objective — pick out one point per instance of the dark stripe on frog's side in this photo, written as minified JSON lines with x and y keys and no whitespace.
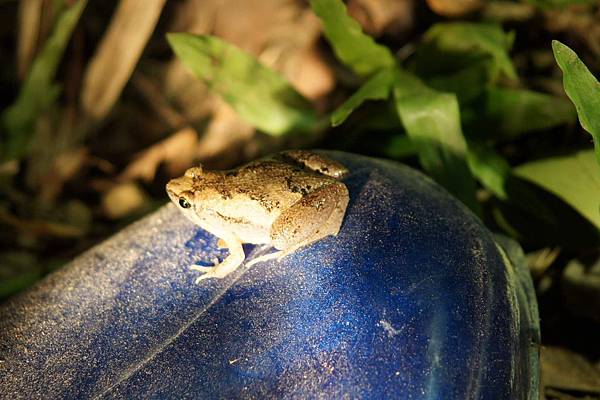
{"x":234,"y":220}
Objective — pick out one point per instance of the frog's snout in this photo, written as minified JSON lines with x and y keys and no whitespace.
{"x":174,"y":187}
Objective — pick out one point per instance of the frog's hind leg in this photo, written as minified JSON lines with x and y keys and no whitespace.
{"x":315,"y":216}
{"x":316,"y":162}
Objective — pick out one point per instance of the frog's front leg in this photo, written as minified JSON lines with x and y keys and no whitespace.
{"x":231,"y":263}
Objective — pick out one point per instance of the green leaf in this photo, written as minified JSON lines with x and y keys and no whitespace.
{"x":574,"y":178}
{"x":378,"y":87}
{"x":432,"y":121}
{"x":354,"y":48}
{"x":456,"y":45}
{"x":400,"y":146}
{"x":468,"y":82}
{"x":258,"y":94}
{"x":583,"y":90}
{"x":513,"y":112}
{"x":39,"y":91}
{"x":490,"y":169}
{"x":496,"y":175}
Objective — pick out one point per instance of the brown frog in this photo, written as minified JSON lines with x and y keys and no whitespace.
{"x":288,"y":200}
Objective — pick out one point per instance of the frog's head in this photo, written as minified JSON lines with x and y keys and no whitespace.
{"x":181,"y":191}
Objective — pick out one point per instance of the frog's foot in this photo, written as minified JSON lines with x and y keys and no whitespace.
{"x":209,"y":274}
{"x":201,"y":268}
{"x":219,"y":270}
{"x":205,"y":268}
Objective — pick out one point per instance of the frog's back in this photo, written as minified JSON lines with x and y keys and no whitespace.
{"x":278,"y":182}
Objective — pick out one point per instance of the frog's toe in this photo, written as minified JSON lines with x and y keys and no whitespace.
{"x":211,"y":274}
{"x":202,"y":277}
{"x":201,"y":268}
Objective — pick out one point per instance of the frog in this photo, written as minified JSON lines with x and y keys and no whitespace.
{"x":287,"y":201}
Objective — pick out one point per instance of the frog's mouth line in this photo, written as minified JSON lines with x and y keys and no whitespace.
{"x":233,"y":220}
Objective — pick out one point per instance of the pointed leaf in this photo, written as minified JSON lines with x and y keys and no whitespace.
{"x":512,"y":112}
{"x":458,"y":45}
{"x":353,"y":47}
{"x":432,"y":121}
{"x":583,"y":90}
{"x":259,"y":95}
{"x":574,"y":178}
{"x":496,"y":175}
{"x":378,"y":87}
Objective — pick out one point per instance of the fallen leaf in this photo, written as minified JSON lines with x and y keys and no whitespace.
{"x":383,"y":16}
{"x":38,"y":228}
{"x":29,"y":19}
{"x":539,"y":261}
{"x":453,"y":8}
{"x":566,"y":370}
{"x":177,"y":151}
{"x":218,"y":142}
{"x":64,"y":167}
{"x":122,"y":200}
{"x":156,"y":100}
{"x":9,"y":167}
{"x":577,"y":22}
{"x":117,"y":55}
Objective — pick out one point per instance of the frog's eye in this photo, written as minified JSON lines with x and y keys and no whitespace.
{"x":184,"y":203}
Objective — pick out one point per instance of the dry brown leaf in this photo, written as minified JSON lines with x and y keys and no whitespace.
{"x":379,"y":16}
{"x":38,"y":228}
{"x":308,"y":72}
{"x":69,"y":162}
{"x":224,"y":137}
{"x":563,"y":369}
{"x":539,"y":261}
{"x":117,"y":55}
{"x":122,"y":200}
{"x":9,"y":168}
{"x":576,"y":21}
{"x":189,"y":95}
{"x":508,"y":11}
{"x":177,"y":151}
{"x":30,"y":16}
{"x":65,"y":166}
{"x":157,"y":102}
{"x":453,"y":8}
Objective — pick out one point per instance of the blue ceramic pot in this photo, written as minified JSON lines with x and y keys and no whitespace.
{"x":414,"y":299}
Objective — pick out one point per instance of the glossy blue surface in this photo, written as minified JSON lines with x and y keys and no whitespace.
{"x":412,"y":300}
